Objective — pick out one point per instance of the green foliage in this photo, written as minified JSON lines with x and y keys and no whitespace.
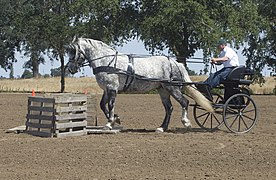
{"x":8,"y":34}
{"x":55,"y":72}
{"x":178,"y":25}
{"x":261,"y":49}
{"x":191,"y":72}
{"x":187,"y":26}
{"x":183,"y":26}
{"x":46,"y":76}
{"x":217,"y":91}
{"x":50,"y":25}
{"x":27,"y":74}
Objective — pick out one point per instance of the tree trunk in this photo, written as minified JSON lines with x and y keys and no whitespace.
{"x":35,"y":64}
{"x":62,"y":68}
{"x":181,"y":48}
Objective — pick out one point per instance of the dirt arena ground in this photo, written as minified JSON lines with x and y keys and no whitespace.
{"x":139,"y":152}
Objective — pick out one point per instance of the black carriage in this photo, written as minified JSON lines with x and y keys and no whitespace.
{"x":235,"y":109}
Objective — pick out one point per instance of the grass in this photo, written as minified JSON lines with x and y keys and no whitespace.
{"x":46,"y":85}
{"x":88,"y":84}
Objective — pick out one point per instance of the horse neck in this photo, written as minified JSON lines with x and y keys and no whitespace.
{"x":99,"y":55}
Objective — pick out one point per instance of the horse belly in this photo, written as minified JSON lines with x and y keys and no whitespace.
{"x":139,"y":86}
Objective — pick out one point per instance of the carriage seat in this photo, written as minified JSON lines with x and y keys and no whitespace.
{"x":237,"y":75}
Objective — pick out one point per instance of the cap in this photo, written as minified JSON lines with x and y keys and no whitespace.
{"x":221,"y":42}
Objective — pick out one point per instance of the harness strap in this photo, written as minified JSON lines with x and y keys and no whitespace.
{"x":108,"y":69}
{"x":130,"y":73}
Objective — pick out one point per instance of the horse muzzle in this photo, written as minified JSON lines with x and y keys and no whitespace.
{"x":72,"y":68}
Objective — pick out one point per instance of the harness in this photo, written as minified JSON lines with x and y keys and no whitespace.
{"x":130,"y":72}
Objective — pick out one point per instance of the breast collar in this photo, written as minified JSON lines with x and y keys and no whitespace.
{"x":130,"y":72}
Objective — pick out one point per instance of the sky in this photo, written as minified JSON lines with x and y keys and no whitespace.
{"x":132,"y":47}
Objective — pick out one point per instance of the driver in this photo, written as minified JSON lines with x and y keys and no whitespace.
{"x":229,"y":58}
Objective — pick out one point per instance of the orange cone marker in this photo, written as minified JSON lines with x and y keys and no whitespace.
{"x":33,"y":92}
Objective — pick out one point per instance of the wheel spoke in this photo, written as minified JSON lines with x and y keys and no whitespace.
{"x":228,"y":117}
{"x":217,"y":99}
{"x":233,"y":121}
{"x":206,"y":119}
{"x":211,"y":120}
{"x":252,"y":119}
{"x":232,"y":110}
{"x":244,"y":122}
{"x":248,"y":111}
{"x":202,"y":115}
{"x":216,"y":118}
{"x":199,"y":107}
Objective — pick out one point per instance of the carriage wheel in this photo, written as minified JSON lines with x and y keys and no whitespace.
{"x":240,"y":113}
{"x":206,"y":120}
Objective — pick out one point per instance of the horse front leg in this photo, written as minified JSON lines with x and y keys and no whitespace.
{"x":112,"y":117}
{"x":103,"y":104}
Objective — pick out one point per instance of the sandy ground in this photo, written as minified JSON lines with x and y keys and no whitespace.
{"x":139,"y":152}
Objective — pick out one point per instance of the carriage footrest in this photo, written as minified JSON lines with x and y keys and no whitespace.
{"x":245,"y":82}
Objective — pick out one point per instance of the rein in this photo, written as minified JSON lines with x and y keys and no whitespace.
{"x":112,"y":69}
{"x":130,"y":72}
{"x":88,"y":62}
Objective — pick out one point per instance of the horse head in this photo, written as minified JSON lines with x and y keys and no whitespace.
{"x":76,"y":57}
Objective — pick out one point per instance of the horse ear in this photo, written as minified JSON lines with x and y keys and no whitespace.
{"x":75,"y":38}
{"x":69,"y":48}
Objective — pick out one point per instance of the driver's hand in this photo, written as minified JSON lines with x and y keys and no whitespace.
{"x":213,"y":61}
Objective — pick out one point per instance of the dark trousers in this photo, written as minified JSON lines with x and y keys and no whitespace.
{"x":216,"y":78}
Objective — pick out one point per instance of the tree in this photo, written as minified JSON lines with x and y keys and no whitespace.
{"x":183,"y":26}
{"x":45,"y":27}
{"x":187,"y":26}
{"x":9,"y":41}
{"x":261,"y":49}
{"x":51,"y":25}
{"x":30,"y":22}
{"x":27,"y":74}
{"x":55,"y":72}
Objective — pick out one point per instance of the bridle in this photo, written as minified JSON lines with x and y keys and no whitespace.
{"x":87,"y":61}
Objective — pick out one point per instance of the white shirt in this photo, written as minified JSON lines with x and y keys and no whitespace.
{"x":232,"y":56}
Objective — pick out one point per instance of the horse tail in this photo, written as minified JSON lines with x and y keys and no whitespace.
{"x":191,"y":90}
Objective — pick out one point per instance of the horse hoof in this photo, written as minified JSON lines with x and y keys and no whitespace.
{"x":188,"y":125}
{"x":159,"y":130}
{"x":108,"y":126}
{"x":117,"y":119}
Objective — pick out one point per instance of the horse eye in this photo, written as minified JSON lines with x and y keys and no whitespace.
{"x":71,"y":58}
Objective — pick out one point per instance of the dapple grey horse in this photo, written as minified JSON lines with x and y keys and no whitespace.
{"x":117,"y":72}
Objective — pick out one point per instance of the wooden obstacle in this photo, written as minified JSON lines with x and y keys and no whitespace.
{"x":57,"y":115}
{"x":92,"y":103}
{"x":101,"y":130}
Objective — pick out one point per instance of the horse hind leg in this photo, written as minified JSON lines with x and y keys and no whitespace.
{"x":185,"y":121}
{"x":165,"y":98}
{"x":179,"y":97}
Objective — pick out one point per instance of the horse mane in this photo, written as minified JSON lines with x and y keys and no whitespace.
{"x":95,"y":43}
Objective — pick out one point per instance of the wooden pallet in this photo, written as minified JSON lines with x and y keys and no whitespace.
{"x":92,"y":103}
{"x":102,"y":130}
{"x":57,"y":115}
